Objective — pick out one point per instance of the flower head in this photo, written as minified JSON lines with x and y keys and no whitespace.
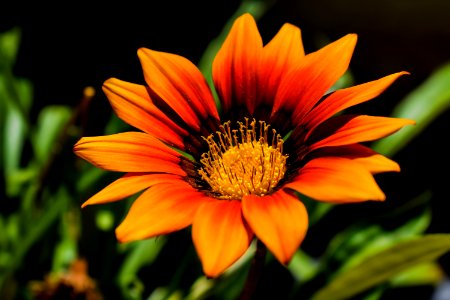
{"x":278,"y":131}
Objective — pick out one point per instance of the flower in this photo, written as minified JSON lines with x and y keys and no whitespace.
{"x":232,"y":172}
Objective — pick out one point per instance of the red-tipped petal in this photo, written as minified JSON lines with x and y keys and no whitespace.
{"x":129,"y":152}
{"x":300,"y":90}
{"x":161,"y":209}
{"x":220,"y":235}
{"x":336,"y":180}
{"x":235,"y":67}
{"x":180,"y":84}
{"x":366,"y":157}
{"x":280,"y":55}
{"x":342,"y":99}
{"x":345,"y":130}
{"x":129,"y":184}
{"x":279,"y":220}
{"x":132,"y":103}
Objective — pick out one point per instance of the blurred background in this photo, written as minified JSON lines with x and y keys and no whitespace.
{"x":49,"y":55}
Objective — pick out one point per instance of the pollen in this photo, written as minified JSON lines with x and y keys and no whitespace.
{"x":244,"y":161}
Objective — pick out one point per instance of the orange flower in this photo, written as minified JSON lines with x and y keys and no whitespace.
{"x":275,"y":133}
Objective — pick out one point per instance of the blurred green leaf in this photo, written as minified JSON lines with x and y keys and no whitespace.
{"x":9,"y":45}
{"x":316,"y":210}
{"x":382,"y":266}
{"x":38,"y":226}
{"x":384,"y":239}
{"x":429,"y":273}
{"x":165,"y":294}
{"x":89,"y":177}
{"x":65,"y":252}
{"x":15,"y":104}
{"x":51,"y":121}
{"x":141,"y":253}
{"x":303,"y":267}
{"x":375,"y":294}
{"x":16,"y":179}
{"x":424,"y":104}
{"x":357,"y":242}
{"x":115,"y":124}
{"x":14,"y":133}
{"x":200,"y":289}
{"x":12,"y":231}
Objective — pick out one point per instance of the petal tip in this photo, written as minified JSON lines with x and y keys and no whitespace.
{"x":380,"y":197}
{"x":351,"y":38}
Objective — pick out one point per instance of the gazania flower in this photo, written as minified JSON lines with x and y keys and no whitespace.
{"x":231,"y":172}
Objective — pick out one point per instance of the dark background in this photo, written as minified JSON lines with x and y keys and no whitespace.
{"x":66,"y":47}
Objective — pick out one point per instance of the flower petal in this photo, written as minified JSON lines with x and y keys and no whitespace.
{"x":282,"y":53}
{"x":129,"y":184}
{"x":180,"y":84}
{"x":342,"y":99}
{"x":300,"y":90}
{"x":132,"y":103}
{"x":235,"y":66}
{"x":332,"y":179}
{"x":129,"y":152}
{"x":161,"y":209}
{"x":220,"y":235}
{"x":347,"y":129}
{"x":366,"y":157}
{"x":279,"y":220}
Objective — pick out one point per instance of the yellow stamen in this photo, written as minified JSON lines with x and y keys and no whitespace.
{"x":243,"y":161}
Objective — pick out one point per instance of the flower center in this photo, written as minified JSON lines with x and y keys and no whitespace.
{"x":243,"y":161}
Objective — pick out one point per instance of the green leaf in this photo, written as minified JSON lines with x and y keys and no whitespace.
{"x":383,"y":239}
{"x":89,"y":177}
{"x":424,"y":104}
{"x":14,"y":139}
{"x":142,"y":253}
{"x":38,"y":227}
{"x":65,"y":252}
{"x":361,"y":240}
{"x":9,"y":44}
{"x":16,"y":96}
{"x":303,"y":267}
{"x":51,"y":121}
{"x":382,"y":266}
{"x":429,"y":273}
{"x":163,"y":293}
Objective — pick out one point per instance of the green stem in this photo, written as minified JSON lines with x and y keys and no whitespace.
{"x":255,"y":272}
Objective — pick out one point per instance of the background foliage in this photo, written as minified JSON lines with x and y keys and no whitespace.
{"x":51,"y":71}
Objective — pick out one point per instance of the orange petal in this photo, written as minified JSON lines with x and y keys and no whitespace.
{"x":161,"y":209}
{"x":235,"y":66}
{"x":337,"y":180}
{"x":300,"y":90}
{"x":220,"y":235}
{"x":345,"y":130}
{"x":129,"y":152}
{"x":366,"y":157}
{"x":342,"y":99}
{"x":180,"y":84}
{"x":280,"y":55}
{"x":129,"y":184}
{"x":279,"y":220}
{"x":132,"y":103}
